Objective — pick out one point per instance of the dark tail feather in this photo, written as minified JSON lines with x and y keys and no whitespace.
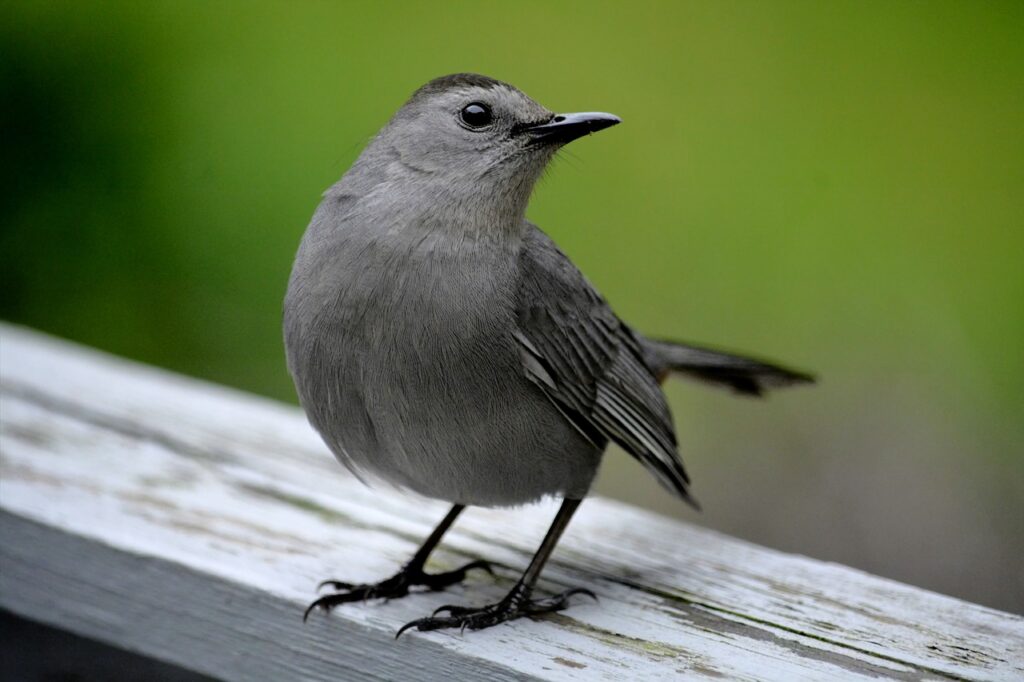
{"x":744,"y":375}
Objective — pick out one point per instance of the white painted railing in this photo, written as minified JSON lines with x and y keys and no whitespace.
{"x":191,"y":523}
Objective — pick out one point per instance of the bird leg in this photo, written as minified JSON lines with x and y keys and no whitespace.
{"x":412,"y":574}
{"x":517,"y":603}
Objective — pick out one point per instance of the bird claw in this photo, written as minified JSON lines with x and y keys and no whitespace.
{"x":452,"y":610}
{"x":357,"y":593}
{"x":516,"y":605}
{"x":559,"y":601}
{"x":335,"y":585}
{"x":396,"y":586}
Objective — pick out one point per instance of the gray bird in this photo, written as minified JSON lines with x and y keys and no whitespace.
{"x":444,"y":344}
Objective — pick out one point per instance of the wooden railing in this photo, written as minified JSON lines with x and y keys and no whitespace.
{"x":191,"y":523}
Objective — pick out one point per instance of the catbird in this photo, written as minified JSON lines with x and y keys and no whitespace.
{"x":444,"y":344}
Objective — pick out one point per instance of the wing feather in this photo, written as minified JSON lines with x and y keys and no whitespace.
{"x":590,"y":365}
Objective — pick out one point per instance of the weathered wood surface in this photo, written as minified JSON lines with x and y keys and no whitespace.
{"x":191,"y":523}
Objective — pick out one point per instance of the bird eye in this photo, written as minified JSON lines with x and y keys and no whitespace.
{"x":476,"y":115}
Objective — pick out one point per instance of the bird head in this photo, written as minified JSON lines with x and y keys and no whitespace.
{"x":475,"y":136}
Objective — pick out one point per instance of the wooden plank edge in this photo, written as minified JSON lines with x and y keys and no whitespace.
{"x":149,"y":606}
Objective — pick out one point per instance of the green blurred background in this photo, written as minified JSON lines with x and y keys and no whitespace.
{"x":836,"y":185}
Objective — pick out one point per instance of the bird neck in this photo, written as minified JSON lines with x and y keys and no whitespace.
{"x":472,"y":206}
{"x":485,"y":203}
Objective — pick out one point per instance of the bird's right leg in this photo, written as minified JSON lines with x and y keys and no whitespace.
{"x":518,"y":602}
{"x":398,"y":585}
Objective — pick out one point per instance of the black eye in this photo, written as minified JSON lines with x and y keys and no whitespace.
{"x":476,"y":115}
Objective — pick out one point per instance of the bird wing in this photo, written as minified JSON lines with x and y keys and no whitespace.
{"x":590,"y":364}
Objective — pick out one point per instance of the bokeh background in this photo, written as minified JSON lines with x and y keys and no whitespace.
{"x":837,"y":185}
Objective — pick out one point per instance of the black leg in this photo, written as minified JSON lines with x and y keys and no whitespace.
{"x":411,"y":574}
{"x":517,"y":603}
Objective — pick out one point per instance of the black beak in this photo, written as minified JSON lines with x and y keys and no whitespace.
{"x":567,"y":127}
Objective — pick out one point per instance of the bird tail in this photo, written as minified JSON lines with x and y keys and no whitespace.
{"x":744,"y":375}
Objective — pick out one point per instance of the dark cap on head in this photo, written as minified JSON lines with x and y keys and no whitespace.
{"x":458,"y":80}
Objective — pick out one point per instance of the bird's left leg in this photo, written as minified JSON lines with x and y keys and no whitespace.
{"x":517,"y":603}
{"x":410,"y":575}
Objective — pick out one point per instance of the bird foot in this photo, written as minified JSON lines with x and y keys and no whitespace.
{"x":515,"y":605}
{"x":396,"y":586}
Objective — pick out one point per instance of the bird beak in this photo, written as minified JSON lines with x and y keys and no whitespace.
{"x":565,"y":128}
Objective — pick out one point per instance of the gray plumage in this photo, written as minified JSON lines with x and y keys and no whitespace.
{"x":441,"y":342}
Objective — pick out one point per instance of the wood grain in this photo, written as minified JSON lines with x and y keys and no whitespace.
{"x":191,"y":523}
